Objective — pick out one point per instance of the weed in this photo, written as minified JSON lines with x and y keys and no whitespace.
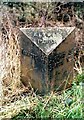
{"x":67,"y":105}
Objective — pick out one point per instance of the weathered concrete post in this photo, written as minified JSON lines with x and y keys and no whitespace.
{"x":47,"y":57}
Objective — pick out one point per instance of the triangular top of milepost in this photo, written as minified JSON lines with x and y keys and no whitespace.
{"x":48,"y":38}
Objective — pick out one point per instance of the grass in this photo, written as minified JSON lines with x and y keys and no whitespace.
{"x":68,"y":104}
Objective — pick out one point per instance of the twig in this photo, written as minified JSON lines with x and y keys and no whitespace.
{"x":48,"y":100}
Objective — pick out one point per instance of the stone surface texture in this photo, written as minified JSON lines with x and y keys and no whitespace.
{"x":47,"y":57}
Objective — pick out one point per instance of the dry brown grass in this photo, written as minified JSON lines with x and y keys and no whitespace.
{"x":10,"y":56}
{"x":10,"y":49}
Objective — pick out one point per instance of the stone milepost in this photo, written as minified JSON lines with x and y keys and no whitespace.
{"x":47,"y":57}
